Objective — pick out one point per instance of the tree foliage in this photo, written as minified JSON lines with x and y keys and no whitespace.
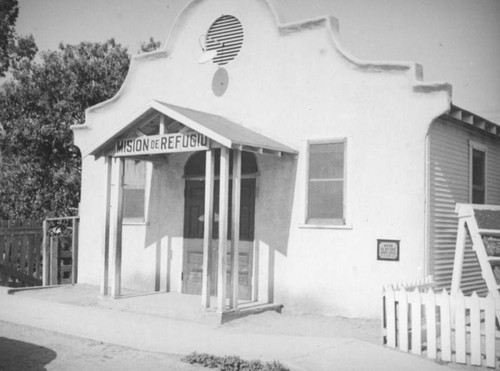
{"x":40,"y":171}
{"x":149,"y":46}
{"x":9,"y":10}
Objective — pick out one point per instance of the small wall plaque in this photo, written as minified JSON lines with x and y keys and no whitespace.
{"x":388,"y":250}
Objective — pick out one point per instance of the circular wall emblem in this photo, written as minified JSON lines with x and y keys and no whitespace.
{"x":225,"y":36}
{"x":220,"y":82}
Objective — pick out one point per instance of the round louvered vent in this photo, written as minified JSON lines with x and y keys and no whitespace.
{"x":225,"y":36}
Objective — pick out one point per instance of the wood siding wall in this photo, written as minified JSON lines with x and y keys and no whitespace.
{"x":449,"y":184}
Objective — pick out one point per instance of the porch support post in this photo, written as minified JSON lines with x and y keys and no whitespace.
{"x":163,"y":125}
{"x":116,"y":245}
{"x":74,"y":251}
{"x":223,"y":220}
{"x":45,"y":254}
{"x":207,"y":234}
{"x":105,"y":237}
{"x":235,"y":228}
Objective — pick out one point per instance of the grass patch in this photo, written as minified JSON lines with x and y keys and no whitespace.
{"x":232,"y":363}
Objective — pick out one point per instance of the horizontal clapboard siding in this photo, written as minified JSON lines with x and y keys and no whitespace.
{"x":449,"y":185}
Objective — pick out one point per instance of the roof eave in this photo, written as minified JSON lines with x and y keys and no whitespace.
{"x":466,"y":117}
{"x":266,"y":145}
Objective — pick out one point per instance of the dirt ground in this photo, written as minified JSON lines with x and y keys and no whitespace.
{"x":24,"y":348}
{"x":309,"y":325}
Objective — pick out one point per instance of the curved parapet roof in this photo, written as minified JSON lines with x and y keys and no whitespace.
{"x":285,"y":30}
{"x":328,"y":22}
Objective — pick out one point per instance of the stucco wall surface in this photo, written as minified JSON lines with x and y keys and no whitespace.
{"x":292,"y":83}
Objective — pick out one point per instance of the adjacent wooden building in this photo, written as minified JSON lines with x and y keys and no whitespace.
{"x":464,"y":156}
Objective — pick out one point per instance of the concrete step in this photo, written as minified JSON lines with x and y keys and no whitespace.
{"x":183,"y":307}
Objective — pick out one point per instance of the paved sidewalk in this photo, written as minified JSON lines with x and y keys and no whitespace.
{"x":26,"y":348}
{"x":302,"y":351}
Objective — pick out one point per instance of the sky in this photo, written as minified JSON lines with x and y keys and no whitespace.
{"x":456,"y":41}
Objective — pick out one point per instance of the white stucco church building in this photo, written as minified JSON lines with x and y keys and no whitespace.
{"x":261,"y":162}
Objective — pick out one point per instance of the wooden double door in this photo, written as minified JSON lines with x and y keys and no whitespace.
{"x":194,"y":211}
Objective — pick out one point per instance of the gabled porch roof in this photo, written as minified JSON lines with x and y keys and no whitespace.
{"x":219,"y":129}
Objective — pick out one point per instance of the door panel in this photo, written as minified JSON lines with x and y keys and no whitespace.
{"x":193,"y":268}
{"x":193,"y":239}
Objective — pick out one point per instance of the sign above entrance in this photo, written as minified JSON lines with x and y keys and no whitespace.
{"x":167,"y":143}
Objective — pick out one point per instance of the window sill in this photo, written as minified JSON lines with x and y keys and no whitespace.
{"x":135,"y":223}
{"x":326,"y":226}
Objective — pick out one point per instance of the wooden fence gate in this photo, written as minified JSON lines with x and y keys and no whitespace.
{"x":34,"y":254}
{"x":60,"y":250}
{"x":20,"y":253}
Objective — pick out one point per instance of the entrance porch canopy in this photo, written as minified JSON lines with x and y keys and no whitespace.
{"x":164,"y":119}
{"x":217,"y":128}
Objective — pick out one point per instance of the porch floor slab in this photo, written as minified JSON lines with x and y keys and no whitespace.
{"x":161,"y":304}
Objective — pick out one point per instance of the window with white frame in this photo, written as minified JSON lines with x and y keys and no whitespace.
{"x":326,"y":182}
{"x":477,"y":173}
{"x":134,"y":191}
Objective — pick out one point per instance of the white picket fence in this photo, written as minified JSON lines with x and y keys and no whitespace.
{"x":421,"y":285}
{"x":442,"y":327}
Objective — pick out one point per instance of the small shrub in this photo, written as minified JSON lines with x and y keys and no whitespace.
{"x":231,"y":363}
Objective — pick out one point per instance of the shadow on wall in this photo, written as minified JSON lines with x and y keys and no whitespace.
{"x":274,"y":200}
{"x":18,"y":355}
{"x":166,"y":210}
{"x":274,"y":204}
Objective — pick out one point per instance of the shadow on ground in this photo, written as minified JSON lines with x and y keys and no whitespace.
{"x":19,"y":355}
